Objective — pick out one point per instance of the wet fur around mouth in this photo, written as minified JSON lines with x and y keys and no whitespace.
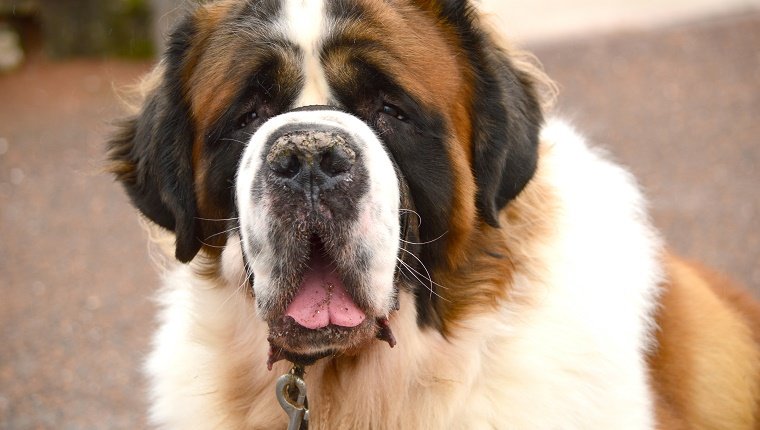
{"x":290,"y":341}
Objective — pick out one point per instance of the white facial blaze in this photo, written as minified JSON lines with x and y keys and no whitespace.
{"x":304,"y":23}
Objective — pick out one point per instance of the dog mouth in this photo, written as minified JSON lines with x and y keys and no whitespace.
{"x":321,"y":299}
{"x":323,"y":318}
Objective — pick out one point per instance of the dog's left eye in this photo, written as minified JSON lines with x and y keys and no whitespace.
{"x":247,"y":118}
{"x":394,"y":112}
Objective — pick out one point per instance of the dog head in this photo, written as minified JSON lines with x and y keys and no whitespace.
{"x":356,"y":147}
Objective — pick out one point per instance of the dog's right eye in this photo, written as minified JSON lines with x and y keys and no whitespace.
{"x":247,"y":118}
{"x":393,"y":111}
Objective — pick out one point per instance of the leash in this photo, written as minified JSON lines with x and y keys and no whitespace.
{"x":291,"y":393}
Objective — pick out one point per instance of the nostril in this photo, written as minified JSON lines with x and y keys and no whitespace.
{"x":335,"y":161}
{"x":286,"y":165}
{"x":306,"y":155}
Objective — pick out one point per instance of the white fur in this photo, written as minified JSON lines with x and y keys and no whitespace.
{"x":303,"y":23}
{"x":568,"y":355}
{"x":377,"y":228}
{"x":575,"y":359}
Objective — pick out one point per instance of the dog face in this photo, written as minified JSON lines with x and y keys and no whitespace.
{"x":318,"y":205}
{"x":358,"y":146}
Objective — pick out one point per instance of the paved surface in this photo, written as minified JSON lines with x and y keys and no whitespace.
{"x":75,"y":313}
{"x":549,"y":20}
{"x":679,"y":105}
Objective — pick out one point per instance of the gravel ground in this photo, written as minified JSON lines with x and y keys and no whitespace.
{"x":679,"y":105}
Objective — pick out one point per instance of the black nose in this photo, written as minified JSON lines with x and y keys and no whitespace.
{"x":311,"y":157}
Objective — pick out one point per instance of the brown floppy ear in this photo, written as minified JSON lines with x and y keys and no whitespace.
{"x":506,"y":117}
{"x":151,"y":154}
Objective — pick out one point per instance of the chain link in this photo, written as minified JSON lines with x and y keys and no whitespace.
{"x":291,"y":393}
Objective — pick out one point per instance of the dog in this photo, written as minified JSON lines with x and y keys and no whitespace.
{"x":367,"y":197}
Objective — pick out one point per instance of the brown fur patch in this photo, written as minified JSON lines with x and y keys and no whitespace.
{"x":419,"y":57}
{"x":483,"y":279}
{"x":212,"y":77}
{"x":706,"y":368}
{"x":449,"y":87}
{"x":208,"y":93}
{"x":734,"y":294}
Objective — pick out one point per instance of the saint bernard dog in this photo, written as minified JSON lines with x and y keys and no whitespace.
{"x":370,"y":190}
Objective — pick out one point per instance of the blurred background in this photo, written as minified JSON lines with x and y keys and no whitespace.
{"x":670,"y":87}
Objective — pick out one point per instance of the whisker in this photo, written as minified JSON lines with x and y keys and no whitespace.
{"x":232,"y":294}
{"x":429,"y":276}
{"x":223,"y":232}
{"x":217,"y":219}
{"x":211,"y":246}
{"x":430,"y":288}
{"x":245,"y":275}
{"x":233,"y":140}
{"x":423,"y":276}
{"x":425,"y":243}
{"x":411,"y":272}
{"x":419,"y":217}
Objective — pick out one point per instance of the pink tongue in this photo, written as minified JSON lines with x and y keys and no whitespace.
{"x":322,"y":300}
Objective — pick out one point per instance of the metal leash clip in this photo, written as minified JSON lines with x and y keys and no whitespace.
{"x":291,"y":393}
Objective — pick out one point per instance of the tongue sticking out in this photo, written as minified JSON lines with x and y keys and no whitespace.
{"x":322,"y":299}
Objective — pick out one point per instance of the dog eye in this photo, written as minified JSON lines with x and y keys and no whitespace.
{"x":393,"y":111}
{"x":247,"y":118}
